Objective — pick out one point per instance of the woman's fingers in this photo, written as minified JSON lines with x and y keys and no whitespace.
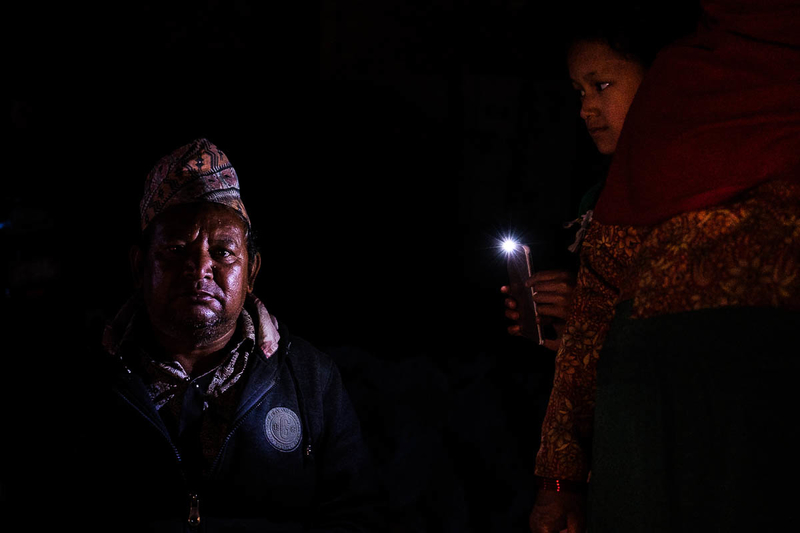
{"x":552,"y":276}
{"x":552,"y":344}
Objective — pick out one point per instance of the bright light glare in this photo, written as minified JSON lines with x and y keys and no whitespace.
{"x":509,"y":245}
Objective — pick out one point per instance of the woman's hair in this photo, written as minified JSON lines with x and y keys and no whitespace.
{"x":633,"y":31}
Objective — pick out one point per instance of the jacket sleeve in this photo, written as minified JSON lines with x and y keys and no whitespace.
{"x":347,"y":495}
{"x":565,"y":451}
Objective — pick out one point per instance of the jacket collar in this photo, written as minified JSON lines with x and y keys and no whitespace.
{"x":268,"y":355}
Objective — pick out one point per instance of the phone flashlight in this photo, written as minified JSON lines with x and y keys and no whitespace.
{"x":519,"y":271}
{"x":509,"y":245}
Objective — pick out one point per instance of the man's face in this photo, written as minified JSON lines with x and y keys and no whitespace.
{"x":195,"y":273}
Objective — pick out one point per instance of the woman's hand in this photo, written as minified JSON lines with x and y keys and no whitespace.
{"x":553,"y":295}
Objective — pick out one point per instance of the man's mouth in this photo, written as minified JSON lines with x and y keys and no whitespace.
{"x":597,"y":129}
{"x":199,"y":296}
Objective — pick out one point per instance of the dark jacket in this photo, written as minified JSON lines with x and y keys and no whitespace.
{"x":293,"y":459}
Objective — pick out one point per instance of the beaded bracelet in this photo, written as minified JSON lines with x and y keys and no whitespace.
{"x":560,"y":485}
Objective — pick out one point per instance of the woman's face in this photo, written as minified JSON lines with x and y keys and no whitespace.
{"x":607,"y":83}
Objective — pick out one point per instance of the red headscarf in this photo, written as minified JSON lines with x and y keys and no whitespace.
{"x":718,"y":113}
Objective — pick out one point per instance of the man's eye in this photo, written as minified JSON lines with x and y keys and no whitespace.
{"x":602,"y":86}
{"x":223,"y":253}
{"x":175,"y":248}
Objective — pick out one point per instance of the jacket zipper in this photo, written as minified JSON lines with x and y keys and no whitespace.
{"x":194,"y":499}
{"x":160,"y":431}
{"x":194,"y":510}
{"x":241,"y":420}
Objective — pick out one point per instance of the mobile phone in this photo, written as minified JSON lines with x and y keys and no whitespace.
{"x":519,"y":270}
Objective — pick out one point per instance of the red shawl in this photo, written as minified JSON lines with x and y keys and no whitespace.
{"x":718,"y":113}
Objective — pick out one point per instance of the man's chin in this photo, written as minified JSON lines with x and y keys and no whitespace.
{"x":198,"y":325}
{"x":203,"y":328}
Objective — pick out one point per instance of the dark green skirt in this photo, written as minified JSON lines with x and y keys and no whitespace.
{"x":696,"y":422}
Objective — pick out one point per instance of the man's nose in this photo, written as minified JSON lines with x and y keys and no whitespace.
{"x":199,"y":264}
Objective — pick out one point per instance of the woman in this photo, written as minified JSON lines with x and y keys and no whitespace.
{"x":606,"y":67}
{"x":606,"y":74}
{"x":689,"y":287}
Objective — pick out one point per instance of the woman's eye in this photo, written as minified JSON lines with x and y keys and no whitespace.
{"x":602,"y":86}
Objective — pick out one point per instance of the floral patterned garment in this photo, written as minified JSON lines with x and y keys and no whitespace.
{"x":745,"y":253}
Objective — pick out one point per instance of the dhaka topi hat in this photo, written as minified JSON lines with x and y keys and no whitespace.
{"x":197,"y":172}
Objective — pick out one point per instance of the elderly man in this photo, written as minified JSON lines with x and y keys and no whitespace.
{"x":218,"y":418}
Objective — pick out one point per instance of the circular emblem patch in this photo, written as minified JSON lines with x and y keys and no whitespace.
{"x":283,"y":429}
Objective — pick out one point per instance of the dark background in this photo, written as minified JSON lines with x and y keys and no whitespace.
{"x":379,"y":181}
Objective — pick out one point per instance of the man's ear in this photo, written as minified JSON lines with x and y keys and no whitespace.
{"x":136,"y":259}
{"x":255,"y":266}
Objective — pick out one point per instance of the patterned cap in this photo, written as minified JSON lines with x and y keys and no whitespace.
{"x":197,"y":172}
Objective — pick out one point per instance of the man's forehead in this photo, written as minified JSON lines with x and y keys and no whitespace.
{"x":221,"y":221}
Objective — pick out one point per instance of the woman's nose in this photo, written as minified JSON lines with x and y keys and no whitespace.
{"x":588,"y":107}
